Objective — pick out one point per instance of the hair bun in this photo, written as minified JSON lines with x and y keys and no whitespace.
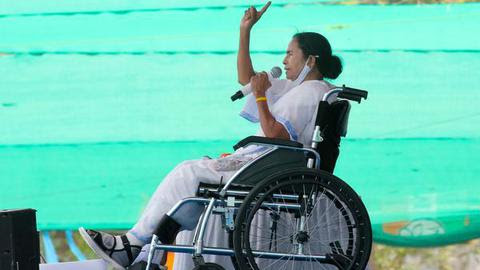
{"x":334,"y":67}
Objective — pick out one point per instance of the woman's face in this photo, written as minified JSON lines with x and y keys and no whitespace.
{"x":294,"y":60}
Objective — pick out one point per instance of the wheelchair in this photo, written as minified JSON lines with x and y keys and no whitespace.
{"x":284,"y":209}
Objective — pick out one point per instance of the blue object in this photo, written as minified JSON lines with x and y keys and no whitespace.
{"x":51,"y":254}
{"x":73,"y":247}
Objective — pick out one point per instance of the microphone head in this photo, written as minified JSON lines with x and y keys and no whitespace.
{"x":276,"y":72}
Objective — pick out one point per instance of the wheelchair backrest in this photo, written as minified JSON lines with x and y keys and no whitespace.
{"x":333,"y":121}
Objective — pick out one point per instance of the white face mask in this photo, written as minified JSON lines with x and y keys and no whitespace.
{"x":303,"y":74}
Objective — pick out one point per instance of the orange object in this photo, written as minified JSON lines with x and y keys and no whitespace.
{"x":170,"y":260}
{"x":393,"y":228}
{"x":225,"y":155}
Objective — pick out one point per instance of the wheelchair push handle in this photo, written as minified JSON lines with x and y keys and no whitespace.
{"x":346,"y":93}
{"x":356,"y":92}
{"x":349,"y":96}
{"x":352,"y":94}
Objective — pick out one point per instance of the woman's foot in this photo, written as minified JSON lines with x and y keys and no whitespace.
{"x":116,"y":250}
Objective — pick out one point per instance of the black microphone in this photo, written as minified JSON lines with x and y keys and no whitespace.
{"x":274,"y":73}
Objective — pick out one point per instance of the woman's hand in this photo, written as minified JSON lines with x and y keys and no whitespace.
{"x":252,"y":16}
{"x":260,"y":83}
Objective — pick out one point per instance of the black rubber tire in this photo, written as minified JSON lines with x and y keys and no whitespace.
{"x":354,"y":253}
{"x":209,"y":266}
{"x":230,"y":245}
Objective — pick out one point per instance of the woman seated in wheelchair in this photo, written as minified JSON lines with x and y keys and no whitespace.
{"x":284,"y":108}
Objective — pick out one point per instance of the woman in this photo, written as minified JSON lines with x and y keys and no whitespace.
{"x":286,"y":111}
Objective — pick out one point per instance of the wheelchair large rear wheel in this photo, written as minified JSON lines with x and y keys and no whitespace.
{"x":302,"y":219}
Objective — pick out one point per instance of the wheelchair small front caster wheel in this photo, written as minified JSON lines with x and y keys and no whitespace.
{"x":208,"y":266}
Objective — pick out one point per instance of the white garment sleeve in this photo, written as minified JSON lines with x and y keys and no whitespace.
{"x":294,"y":112}
{"x":273,"y":94}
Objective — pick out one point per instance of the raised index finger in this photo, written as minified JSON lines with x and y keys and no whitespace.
{"x":264,"y":8}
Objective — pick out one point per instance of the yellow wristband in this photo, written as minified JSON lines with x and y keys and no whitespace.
{"x":261,"y":99}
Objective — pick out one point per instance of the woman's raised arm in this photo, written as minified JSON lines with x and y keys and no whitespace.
{"x":244,"y":63}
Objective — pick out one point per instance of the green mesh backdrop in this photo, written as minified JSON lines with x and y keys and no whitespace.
{"x":99,"y":100}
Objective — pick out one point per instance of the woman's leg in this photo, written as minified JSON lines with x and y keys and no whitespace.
{"x":182,"y":182}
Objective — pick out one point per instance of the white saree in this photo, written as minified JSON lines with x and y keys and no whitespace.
{"x":293,"y":107}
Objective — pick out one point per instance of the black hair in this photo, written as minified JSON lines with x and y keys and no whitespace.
{"x":312,"y":43}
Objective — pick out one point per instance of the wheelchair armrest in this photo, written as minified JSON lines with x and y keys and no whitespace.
{"x":265,"y":140}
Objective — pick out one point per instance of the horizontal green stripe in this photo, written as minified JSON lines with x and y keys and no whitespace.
{"x":107,"y":185}
{"x":180,"y":7}
{"x":69,"y":6}
{"x":127,"y":143}
{"x":77,"y":99}
{"x":346,"y":27}
{"x":142,"y":53}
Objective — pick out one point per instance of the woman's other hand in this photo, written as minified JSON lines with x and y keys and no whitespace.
{"x":260,"y":83}
{"x":252,"y":16}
